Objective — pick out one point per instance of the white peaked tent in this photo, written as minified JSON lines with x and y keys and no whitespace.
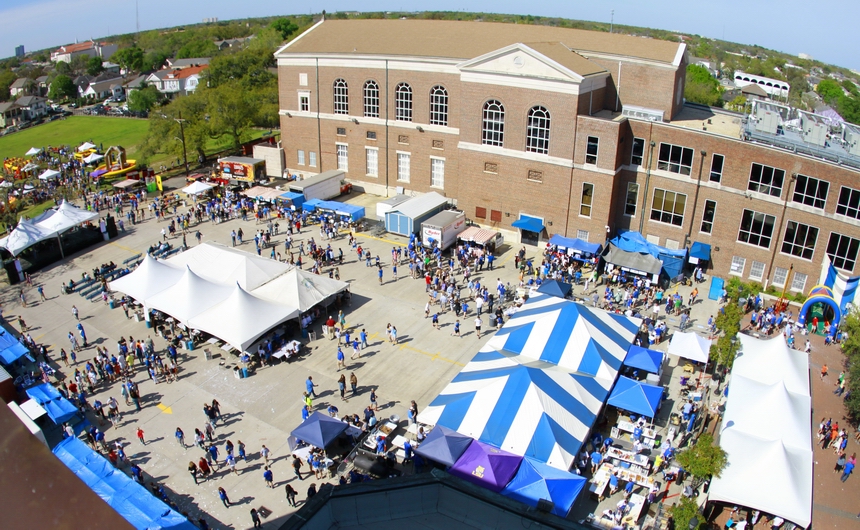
{"x":149,"y":279}
{"x":189,"y":297}
{"x":227,"y":266}
{"x":33,"y":151}
{"x":242,"y":318}
{"x":690,"y":346}
{"x":49,"y":174}
{"x":95,"y":157}
{"x":25,"y":235}
{"x":771,"y":361}
{"x":197,"y":188}
{"x":65,"y":218}
{"x":300,"y":289}
{"x":86,"y":146}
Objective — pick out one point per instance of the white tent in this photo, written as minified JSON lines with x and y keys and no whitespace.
{"x":49,"y":174}
{"x":25,"y":235}
{"x":767,"y":432}
{"x":227,"y":266}
{"x":33,"y":151}
{"x":690,"y":346}
{"x":95,"y":157}
{"x":189,"y":297}
{"x":86,"y":146}
{"x":197,"y":188}
{"x":265,"y":193}
{"x":65,"y":218}
{"x":30,"y":166}
{"x":6,"y":184}
{"x":300,"y":289}
{"x":242,"y":318}
{"x":149,"y":279}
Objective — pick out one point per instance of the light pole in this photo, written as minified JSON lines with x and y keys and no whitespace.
{"x":181,"y":123}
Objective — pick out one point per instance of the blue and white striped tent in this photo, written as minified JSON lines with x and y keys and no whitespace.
{"x":522,"y":399}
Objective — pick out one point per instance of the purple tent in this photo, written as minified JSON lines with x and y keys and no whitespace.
{"x":486,"y":466}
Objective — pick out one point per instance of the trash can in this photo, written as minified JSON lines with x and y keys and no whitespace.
{"x":110,"y":303}
{"x":207,"y":353}
{"x":189,"y":345}
{"x":312,"y":335}
{"x":236,"y":373}
{"x":244,"y":372}
{"x":148,"y":324}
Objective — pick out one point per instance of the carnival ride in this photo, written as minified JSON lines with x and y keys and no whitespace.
{"x":115,"y":164}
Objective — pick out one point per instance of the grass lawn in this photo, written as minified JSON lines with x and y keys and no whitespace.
{"x":75,"y":130}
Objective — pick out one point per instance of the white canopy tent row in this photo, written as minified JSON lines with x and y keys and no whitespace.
{"x":690,"y":346}
{"x":52,"y":223}
{"x":49,"y":174}
{"x":33,"y":151}
{"x":196,"y":188}
{"x":86,"y":146}
{"x":95,"y":157}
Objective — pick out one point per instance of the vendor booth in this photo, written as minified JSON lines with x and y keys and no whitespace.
{"x":323,"y":186}
{"x":635,"y":396}
{"x":486,"y":466}
{"x":672,"y":261}
{"x":383,"y":207}
{"x":690,"y":346}
{"x":295,"y":198}
{"x":443,"y":445}
{"x":536,"y":482}
{"x":700,"y":255}
{"x":644,"y":359}
{"x":488,"y":239}
{"x":406,"y":218}
{"x":531,"y":229}
{"x":577,"y":248}
{"x":242,"y":168}
{"x":319,"y":430}
{"x":632,"y":262}
{"x":555,"y":288}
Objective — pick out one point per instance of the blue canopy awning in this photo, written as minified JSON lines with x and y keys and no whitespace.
{"x":530,"y":224}
{"x":59,"y":409}
{"x":444,"y":445}
{"x":701,"y":251}
{"x":636,"y":397}
{"x":555,"y":288}
{"x":644,"y":359}
{"x":319,"y":430}
{"x":536,"y":481}
{"x":311,"y":205}
{"x":13,"y":353}
{"x":575,"y":244}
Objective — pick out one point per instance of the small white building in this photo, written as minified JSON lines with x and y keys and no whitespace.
{"x":90,"y":49}
{"x":774,"y":87}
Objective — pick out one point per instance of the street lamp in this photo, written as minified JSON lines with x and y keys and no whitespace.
{"x":181,"y":123}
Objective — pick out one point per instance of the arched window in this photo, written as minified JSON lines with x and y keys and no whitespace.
{"x":493,"y":130}
{"x":537,"y":130}
{"x":371,"y":99}
{"x":403,"y":102}
{"x":341,"y":97}
{"x":438,"y":106}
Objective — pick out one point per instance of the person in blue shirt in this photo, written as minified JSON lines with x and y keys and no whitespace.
{"x":846,"y":471}
{"x":269,"y":477}
{"x":306,"y":412}
{"x":407,"y":452}
{"x":613,"y":483}
{"x":596,"y":458}
{"x":380,"y":445}
{"x":309,"y":385}
{"x":628,"y":489}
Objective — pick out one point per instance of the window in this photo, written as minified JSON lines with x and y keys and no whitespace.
{"x":811,"y":191}
{"x":372,"y":161}
{"x":780,"y":275}
{"x":341,"y":131}
{"x":799,"y":282}
{"x":371,"y":135}
{"x":480,"y":212}
{"x":849,"y":202}
{"x":343,"y":157}
{"x":586,"y":200}
{"x":842,"y":251}
{"x":537,"y":131}
{"x":799,"y":240}
{"x":403,"y":102}
{"x":301,"y":157}
{"x":591,"y":150}
{"x":756,"y":228}
{"x":675,"y":159}
{"x":717,"y":168}
{"x":371,"y":99}
{"x":668,"y":207}
{"x":304,"y":102}
{"x":766,"y":179}
{"x":708,"y":215}
{"x":312,"y":158}
{"x":638,"y":151}
{"x":403,"y":167}
{"x":738,"y":264}
{"x":493,"y":129}
{"x":341,"y":97}
{"x":632,"y":199}
{"x":496,"y":216}
{"x":757,"y":271}
{"x":303,"y":79}
{"x":582,"y":234}
{"x":438,"y":106}
{"x":437,"y":172}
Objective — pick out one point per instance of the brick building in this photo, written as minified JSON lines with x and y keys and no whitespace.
{"x":585,"y":131}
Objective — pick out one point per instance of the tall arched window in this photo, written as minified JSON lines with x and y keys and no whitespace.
{"x":537,"y":130}
{"x":341,"y":97}
{"x":403,"y":102}
{"x":438,"y":106}
{"x":493,"y":130}
{"x":371,"y":99}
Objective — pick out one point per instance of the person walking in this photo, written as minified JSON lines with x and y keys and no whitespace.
{"x":192,"y":468}
{"x":373,"y":400}
{"x":255,"y":517}
{"x":297,"y":467}
{"x":222,"y":494}
{"x":75,"y":313}
{"x":140,"y":437}
{"x":264,"y":452}
{"x":341,"y":363}
{"x":478,"y":323}
{"x":353,"y":383}
{"x":341,"y":385}
{"x":848,"y":467}
{"x":456,"y":332}
{"x":291,"y":495}
{"x":309,"y":386}
{"x":204,"y":468}
{"x":269,"y":477}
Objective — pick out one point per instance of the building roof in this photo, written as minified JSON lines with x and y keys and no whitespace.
{"x":464,"y":40}
{"x":26,"y":101}
{"x":19,"y":83}
{"x":754,"y":90}
{"x":136,"y":82}
{"x":102,"y":86}
{"x":185,"y":63}
{"x":42,"y":79}
{"x":77,"y":47}
{"x":185,"y":73}
{"x":566,"y":57}
{"x":7,"y":106}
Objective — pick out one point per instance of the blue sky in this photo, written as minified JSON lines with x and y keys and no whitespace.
{"x":824,"y":29}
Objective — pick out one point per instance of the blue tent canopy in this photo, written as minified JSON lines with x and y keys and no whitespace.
{"x":636,"y":397}
{"x":44,"y":393}
{"x":444,"y":445}
{"x":311,"y":205}
{"x":131,"y":500}
{"x":319,"y":430}
{"x":575,"y":244}
{"x":700,"y":251}
{"x":59,"y":409}
{"x":535,"y":481}
{"x":644,"y":359}
{"x":673,"y":260}
{"x":6,"y":339}
{"x":298,"y":199}
{"x":13,"y":353}
{"x":555,"y":288}
{"x":530,"y":224}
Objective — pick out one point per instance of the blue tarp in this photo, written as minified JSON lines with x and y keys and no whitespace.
{"x":701,"y":251}
{"x":13,"y":353}
{"x":43,"y":393}
{"x":644,"y":359}
{"x":311,"y":205}
{"x":298,"y":199}
{"x":444,"y":445}
{"x":59,"y":409}
{"x":673,"y":260}
{"x":319,"y":430}
{"x":636,"y":397}
{"x":130,"y":499}
{"x":716,"y":288}
{"x":352,"y":211}
{"x":575,"y":244}
{"x":555,"y":288}
{"x":6,"y":339}
{"x":535,"y":481}
{"x":531,"y":224}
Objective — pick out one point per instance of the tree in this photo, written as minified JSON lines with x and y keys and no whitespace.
{"x":285,"y":27}
{"x":80,"y":63}
{"x":702,"y":87}
{"x":62,"y":87}
{"x":200,"y":47}
{"x":153,"y":60}
{"x":703,"y":460}
{"x":683,"y":512}
{"x":164,"y":129}
{"x":143,"y":99}
{"x":63,"y":67}
{"x":829,"y":90}
{"x":851,"y":348}
{"x":131,"y":59}
{"x":231,"y":111}
{"x":94,"y":66}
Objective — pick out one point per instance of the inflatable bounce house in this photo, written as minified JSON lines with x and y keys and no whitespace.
{"x":820,"y":308}
{"x":115,"y":164}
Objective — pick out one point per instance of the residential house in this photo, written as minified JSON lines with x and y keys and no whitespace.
{"x":185,"y":63}
{"x":232,"y":43}
{"x":22,"y":87}
{"x":135,"y":84}
{"x":42,"y":83}
{"x":89,"y":49}
{"x":108,"y":88}
{"x":10,"y":114}
{"x":176,"y":81}
{"x":32,"y":107}
{"x":110,"y":67}
{"x":753,"y":92}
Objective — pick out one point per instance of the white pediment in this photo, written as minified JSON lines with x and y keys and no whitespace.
{"x":520,"y":60}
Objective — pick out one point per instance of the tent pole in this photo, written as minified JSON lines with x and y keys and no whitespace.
{"x":60,"y":242}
